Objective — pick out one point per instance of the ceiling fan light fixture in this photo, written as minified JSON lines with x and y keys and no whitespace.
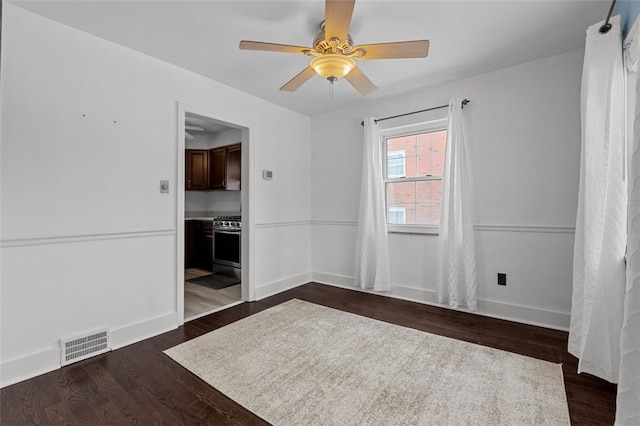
{"x":332,"y":67}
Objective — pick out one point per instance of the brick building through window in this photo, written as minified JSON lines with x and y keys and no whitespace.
{"x":413,"y":172}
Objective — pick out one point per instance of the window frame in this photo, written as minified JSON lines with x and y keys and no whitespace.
{"x":408,"y":130}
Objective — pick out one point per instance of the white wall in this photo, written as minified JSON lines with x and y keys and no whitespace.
{"x":226,"y":137}
{"x":207,"y":203}
{"x":89,"y":128}
{"x":523,"y":124}
{"x":199,"y":141}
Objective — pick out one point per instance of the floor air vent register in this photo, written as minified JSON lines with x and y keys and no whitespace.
{"x":83,"y":347}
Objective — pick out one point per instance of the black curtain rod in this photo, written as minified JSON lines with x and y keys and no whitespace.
{"x":464,"y":102}
{"x":607,"y":26}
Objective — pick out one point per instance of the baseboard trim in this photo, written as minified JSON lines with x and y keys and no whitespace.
{"x":275,"y":287}
{"x":489,"y":308}
{"x":29,"y":366}
{"x":142,"y":330}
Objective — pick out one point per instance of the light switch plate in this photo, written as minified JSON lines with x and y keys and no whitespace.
{"x":267,"y":174}
{"x":164,"y":186}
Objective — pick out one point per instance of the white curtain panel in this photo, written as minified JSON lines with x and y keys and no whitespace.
{"x":456,"y":243}
{"x":628,"y":402}
{"x":373,"y":266}
{"x":601,"y":234}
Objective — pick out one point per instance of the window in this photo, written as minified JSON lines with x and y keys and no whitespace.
{"x":397,"y":215}
{"x":414,"y":163}
{"x":396,"y":164}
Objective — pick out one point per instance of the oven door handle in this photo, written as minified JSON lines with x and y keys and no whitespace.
{"x":226,"y":232}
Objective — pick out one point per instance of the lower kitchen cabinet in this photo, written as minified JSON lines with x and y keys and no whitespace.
{"x":198,"y":245}
{"x":190,"y":250}
{"x":205,"y":258}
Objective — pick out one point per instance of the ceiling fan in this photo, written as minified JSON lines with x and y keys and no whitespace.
{"x":188,"y":135}
{"x":334,"y":54}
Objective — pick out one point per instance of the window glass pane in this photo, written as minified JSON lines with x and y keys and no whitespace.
{"x":420,"y":202}
{"x":395,"y":164}
{"x":429,"y":195}
{"x":402,"y":195}
{"x":396,"y":215}
{"x":430,"y":155}
{"x":424,"y":154}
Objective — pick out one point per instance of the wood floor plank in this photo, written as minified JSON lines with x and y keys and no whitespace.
{"x":80,"y":406}
{"x":138,"y":384}
{"x":60,"y":414}
{"x":117,"y":399}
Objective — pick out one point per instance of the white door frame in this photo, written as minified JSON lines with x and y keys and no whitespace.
{"x":248,"y":221}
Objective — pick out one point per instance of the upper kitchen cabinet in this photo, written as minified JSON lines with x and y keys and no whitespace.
{"x":218,"y":171}
{"x":224,"y":168}
{"x":234,"y":161}
{"x":197,"y":170}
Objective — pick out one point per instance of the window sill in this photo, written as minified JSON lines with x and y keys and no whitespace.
{"x":413,"y":229}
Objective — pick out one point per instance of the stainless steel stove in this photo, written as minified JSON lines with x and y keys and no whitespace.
{"x":227,"y":241}
{"x":227,"y":223}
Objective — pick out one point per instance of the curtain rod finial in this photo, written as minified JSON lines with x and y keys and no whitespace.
{"x":605,"y":28}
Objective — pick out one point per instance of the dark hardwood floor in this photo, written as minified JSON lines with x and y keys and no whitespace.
{"x":140,"y":385}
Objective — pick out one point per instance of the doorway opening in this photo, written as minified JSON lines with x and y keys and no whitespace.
{"x":212,"y":188}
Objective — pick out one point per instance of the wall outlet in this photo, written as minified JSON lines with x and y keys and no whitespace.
{"x":164,"y":186}
{"x":267,"y":174}
{"x":502,"y":278}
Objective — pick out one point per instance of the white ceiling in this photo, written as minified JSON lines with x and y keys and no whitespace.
{"x":467,"y":38}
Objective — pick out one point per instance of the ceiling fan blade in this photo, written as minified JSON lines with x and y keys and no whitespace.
{"x":272,"y":47}
{"x":299,"y":80}
{"x":360,"y":82}
{"x":396,"y":50}
{"x":194,"y":120}
{"x":188,"y":136}
{"x":337,"y":18}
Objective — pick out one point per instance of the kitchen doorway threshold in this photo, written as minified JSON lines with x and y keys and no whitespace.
{"x":218,"y":309}
{"x":202,"y":300}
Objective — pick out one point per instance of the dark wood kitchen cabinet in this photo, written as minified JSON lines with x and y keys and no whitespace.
{"x":205,"y":247}
{"x":197,"y":170}
{"x":225,"y":168}
{"x":218,"y":170}
{"x":234,"y":163}
{"x":190,"y":246}
{"x":198,"y":244}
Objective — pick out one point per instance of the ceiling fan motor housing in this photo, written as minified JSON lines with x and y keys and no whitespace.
{"x":322,"y":46}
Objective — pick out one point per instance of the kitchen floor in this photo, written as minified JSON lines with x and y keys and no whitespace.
{"x":199,"y":300}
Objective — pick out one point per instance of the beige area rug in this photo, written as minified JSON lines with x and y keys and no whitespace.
{"x":303,"y":364}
